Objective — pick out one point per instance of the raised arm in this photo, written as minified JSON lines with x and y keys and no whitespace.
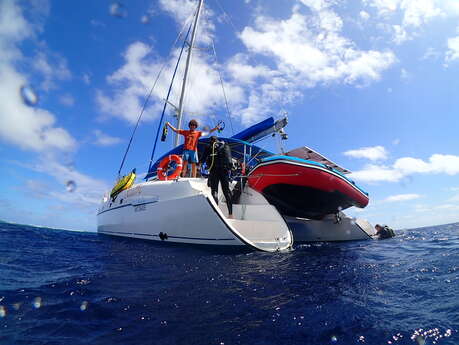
{"x":214,"y":129}
{"x":171,"y":127}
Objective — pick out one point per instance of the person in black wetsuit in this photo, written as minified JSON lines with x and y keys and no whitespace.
{"x":384,"y":232}
{"x":218,"y":161}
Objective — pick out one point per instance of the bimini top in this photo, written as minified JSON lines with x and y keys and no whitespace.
{"x":307,"y":153}
{"x":256,"y":131}
{"x":254,"y":154}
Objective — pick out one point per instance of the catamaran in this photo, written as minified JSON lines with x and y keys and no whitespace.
{"x":277,"y":198}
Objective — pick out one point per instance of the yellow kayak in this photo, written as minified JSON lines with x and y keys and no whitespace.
{"x":123,"y":183}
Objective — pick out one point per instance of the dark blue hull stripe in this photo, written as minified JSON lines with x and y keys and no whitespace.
{"x":125,"y":205}
{"x":168,"y":236}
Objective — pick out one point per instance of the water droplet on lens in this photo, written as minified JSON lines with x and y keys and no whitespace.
{"x":29,"y":96}
{"x":84,"y":306}
{"x":70,"y":186}
{"x":2,"y":311}
{"x":37,"y":302}
{"x":117,"y":9}
{"x":334,"y":339}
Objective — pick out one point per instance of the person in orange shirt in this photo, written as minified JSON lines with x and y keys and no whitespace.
{"x":190,"y":147}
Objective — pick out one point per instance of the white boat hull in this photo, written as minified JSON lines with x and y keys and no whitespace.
{"x":330,"y":229}
{"x":183,"y":211}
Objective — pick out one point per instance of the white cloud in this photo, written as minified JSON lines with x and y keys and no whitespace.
{"x":311,"y":48}
{"x":307,"y":50}
{"x":13,"y":28}
{"x":409,"y":165}
{"x":454,"y":198}
{"x":241,"y":70}
{"x":400,"y":34}
{"x":438,"y":164}
{"x":317,"y":5}
{"x":406,"y":166}
{"x":373,"y":153}
{"x":51,"y":71}
{"x":452,"y":207}
{"x":450,"y":6}
{"x":67,"y":100}
{"x":402,"y":197}
{"x":103,"y":139}
{"x":376,"y":173}
{"x":384,"y":7}
{"x":181,"y":10}
{"x":448,"y":164}
{"x":132,"y":81}
{"x":88,"y":191}
{"x":453,"y":49}
{"x":412,"y":13}
{"x":86,"y":78}
{"x":404,"y":75}
{"x":364,"y":15}
{"x":431,"y":53}
{"x":23,"y":126}
{"x":418,"y":12}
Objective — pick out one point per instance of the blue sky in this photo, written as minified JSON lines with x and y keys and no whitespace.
{"x":370,"y":84}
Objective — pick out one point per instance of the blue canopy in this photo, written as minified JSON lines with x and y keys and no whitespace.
{"x":253,"y":133}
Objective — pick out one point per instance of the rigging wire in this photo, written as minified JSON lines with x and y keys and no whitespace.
{"x":226,"y":16}
{"x":223,"y":88}
{"x":256,"y":155}
{"x":167,"y":97}
{"x":149,"y":95}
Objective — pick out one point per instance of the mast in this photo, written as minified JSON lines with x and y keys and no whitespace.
{"x":187,"y":69}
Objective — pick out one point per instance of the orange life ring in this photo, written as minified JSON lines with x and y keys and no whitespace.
{"x":164,"y":167}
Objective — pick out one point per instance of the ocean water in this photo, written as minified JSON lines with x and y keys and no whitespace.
{"x":61,"y":287}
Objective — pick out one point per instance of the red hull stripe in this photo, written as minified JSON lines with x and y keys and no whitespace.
{"x":303,"y":174}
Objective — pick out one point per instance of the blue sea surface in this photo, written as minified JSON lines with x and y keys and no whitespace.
{"x":61,"y":287}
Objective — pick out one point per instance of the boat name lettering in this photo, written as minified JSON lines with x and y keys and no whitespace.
{"x":140,"y":208}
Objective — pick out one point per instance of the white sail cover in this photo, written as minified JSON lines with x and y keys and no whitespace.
{"x":305,"y":152}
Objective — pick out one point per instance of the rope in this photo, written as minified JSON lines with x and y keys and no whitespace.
{"x":275,"y":175}
{"x":259,"y":176}
{"x":167,"y":98}
{"x":148,"y":98}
